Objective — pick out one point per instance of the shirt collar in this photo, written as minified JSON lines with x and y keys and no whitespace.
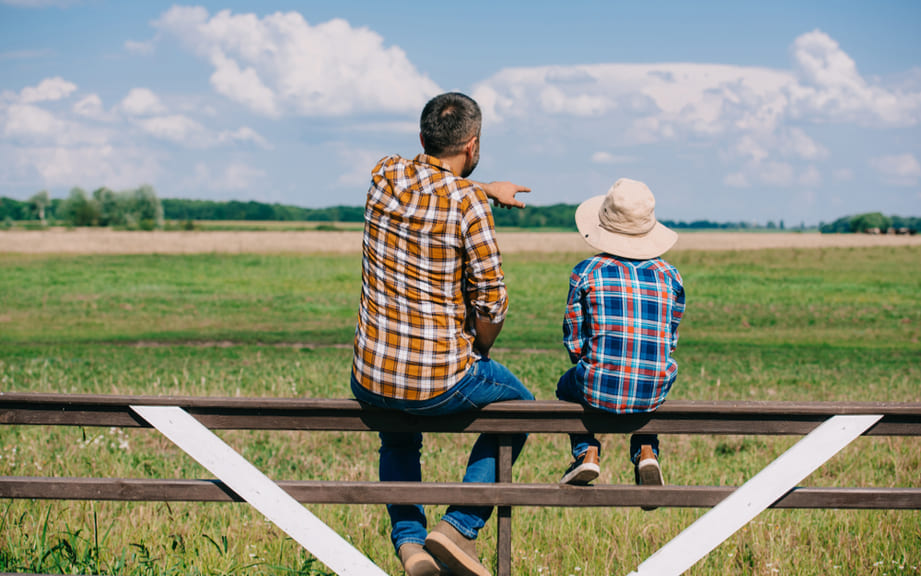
{"x":431,"y":161}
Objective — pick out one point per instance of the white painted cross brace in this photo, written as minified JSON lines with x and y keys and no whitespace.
{"x":257,"y":489}
{"x":750,"y":499}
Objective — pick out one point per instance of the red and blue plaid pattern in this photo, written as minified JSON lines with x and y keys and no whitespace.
{"x":621,"y":328}
{"x":429,"y":261}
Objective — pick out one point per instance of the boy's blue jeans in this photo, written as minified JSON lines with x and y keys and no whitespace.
{"x":486,"y":382}
{"x":570,"y":389}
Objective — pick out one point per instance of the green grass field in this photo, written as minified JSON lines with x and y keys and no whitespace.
{"x":835,"y":324}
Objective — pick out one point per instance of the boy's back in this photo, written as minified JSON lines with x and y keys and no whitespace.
{"x":621,"y":328}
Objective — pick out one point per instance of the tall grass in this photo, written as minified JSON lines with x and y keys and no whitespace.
{"x":838,"y":324}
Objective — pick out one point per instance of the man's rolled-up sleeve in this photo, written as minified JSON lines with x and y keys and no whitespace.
{"x":484,"y":279}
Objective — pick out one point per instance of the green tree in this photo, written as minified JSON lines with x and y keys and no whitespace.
{"x":79,"y":209}
{"x":864,"y":222}
{"x":111,"y":207}
{"x":146,"y":208}
{"x":38,"y":202}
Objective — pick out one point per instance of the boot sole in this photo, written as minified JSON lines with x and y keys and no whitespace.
{"x":451,"y":555}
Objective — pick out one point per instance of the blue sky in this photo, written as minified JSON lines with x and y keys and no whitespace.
{"x":753,"y":111}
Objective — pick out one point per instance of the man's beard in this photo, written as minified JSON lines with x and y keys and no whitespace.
{"x":469,"y":168}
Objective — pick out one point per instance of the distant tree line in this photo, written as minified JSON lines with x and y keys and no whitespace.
{"x":137,"y":209}
{"x":182,"y":209}
{"x":872,"y":222}
{"x":141,"y":209}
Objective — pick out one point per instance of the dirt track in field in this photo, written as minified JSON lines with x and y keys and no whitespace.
{"x":102,"y":241}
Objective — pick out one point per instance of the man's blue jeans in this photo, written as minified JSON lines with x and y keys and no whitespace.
{"x":570,"y":389}
{"x":486,"y":382}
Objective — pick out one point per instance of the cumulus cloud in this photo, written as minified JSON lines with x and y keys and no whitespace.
{"x":57,"y":166}
{"x":602,"y":157}
{"x":52,"y":145}
{"x":280,"y":64}
{"x":757,"y":116}
{"x":899,"y":170}
{"x":142,"y":102}
{"x":90,"y":106}
{"x":244,"y":134}
{"x":48,"y":89}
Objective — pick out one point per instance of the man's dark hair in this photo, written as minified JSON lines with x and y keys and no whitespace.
{"x":448,"y":122}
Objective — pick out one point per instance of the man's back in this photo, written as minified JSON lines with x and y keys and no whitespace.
{"x":430,"y":259}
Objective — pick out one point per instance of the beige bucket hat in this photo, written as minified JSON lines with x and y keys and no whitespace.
{"x":623,"y":222}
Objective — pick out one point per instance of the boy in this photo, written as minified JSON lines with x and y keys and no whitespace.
{"x":621,"y":323}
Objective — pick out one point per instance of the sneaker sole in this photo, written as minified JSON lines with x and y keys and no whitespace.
{"x":650,"y":473}
{"x":582,"y":475}
{"x":450,"y":554}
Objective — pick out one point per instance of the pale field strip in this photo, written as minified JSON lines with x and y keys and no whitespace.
{"x":104,"y":241}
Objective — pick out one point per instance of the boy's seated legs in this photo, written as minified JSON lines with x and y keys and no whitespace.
{"x":586,"y":450}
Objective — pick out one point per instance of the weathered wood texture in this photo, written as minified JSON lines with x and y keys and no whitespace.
{"x":673,"y":417}
{"x":501,"y":494}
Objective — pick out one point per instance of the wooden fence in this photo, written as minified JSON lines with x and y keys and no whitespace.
{"x":504,"y":419}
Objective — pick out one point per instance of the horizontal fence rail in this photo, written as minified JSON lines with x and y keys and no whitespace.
{"x":502,"y":494}
{"x":673,"y":417}
{"x":503,"y":419}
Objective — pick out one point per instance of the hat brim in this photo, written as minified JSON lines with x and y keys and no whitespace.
{"x":652,"y":244}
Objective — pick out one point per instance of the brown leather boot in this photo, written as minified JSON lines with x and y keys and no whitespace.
{"x":455,"y":551}
{"x":417,"y":562}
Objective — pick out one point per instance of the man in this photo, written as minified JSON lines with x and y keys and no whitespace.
{"x":433,"y":301}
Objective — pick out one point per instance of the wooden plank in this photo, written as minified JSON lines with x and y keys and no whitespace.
{"x":673,"y":417}
{"x":437,"y":493}
{"x":504,"y":513}
{"x":743,"y":505}
{"x":256,"y":488}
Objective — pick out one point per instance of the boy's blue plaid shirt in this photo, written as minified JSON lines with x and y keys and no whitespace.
{"x":621,"y":328}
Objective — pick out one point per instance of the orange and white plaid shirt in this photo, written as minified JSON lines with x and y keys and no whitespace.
{"x":430,"y":261}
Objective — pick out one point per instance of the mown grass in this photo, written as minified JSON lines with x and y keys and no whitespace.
{"x":839,"y":324}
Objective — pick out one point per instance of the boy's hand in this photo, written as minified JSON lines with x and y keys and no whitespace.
{"x":503,"y":194}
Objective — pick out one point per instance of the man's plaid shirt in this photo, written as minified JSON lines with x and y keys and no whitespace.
{"x":621,"y":328}
{"x":429,"y":262}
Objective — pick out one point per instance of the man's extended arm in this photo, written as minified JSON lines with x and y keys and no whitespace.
{"x":503,"y":193}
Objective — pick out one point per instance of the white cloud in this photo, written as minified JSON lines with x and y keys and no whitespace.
{"x":244,"y":134}
{"x":829,"y":86}
{"x":90,"y":106}
{"x":25,"y":121}
{"x":752,"y":115}
{"x":176,"y":128}
{"x":142,"y":102}
{"x":244,"y":86}
{"x":49,"y":89}
{"x":602,"y":157}
{"x":795,"y":142}
{"x":899,"y":170}
{"x":88,"y":166}
{"x":280,"y":64}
